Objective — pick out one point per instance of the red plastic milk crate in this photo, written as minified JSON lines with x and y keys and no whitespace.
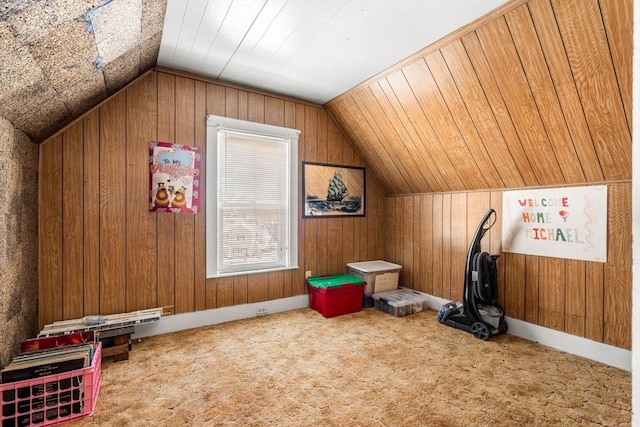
{"x":335,"y":295}
{"x":59,"y":397}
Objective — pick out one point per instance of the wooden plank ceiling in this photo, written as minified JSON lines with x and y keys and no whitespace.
{"x":537,"y":94}
{"x":313,"y":50}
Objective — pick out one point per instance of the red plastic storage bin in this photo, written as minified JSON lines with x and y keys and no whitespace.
{"x":343,"y":294}
{"x":52,"y":399}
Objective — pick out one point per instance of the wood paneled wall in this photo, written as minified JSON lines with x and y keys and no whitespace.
{"x":429,"y":235}
{"x":100,"y":249}
{"x":538,"y":93}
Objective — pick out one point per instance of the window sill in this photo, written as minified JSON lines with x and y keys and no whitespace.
{"x":247,"y":273}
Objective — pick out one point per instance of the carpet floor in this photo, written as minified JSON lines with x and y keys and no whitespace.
{"x":362,"y":369}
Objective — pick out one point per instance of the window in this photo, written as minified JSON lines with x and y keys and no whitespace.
{"x":251,"y":194}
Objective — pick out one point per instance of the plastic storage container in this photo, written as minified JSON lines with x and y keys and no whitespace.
{"x":401,"y":302}
{"x":379,"y":275}
{"x":335,"y":295}
{"x":52,"y":399}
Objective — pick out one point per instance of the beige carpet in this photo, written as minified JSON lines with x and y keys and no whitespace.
{"x":362,"y":369}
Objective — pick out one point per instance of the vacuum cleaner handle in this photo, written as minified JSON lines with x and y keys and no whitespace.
{"x":482,"y":229}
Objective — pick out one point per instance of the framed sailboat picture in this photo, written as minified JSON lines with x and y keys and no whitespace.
{"x":332,"y":190}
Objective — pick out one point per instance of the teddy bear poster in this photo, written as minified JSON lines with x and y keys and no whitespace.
{"x":174,"y":178}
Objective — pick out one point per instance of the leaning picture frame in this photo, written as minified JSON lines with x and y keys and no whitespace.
{"x":333,"y":190}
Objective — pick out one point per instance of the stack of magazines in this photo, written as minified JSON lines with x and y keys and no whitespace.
{"x":61,"y":393}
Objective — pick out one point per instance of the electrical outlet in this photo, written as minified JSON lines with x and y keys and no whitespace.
{"x":307,"y":274}
{"x":261,"y":311}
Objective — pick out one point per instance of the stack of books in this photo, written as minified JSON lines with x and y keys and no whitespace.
{"x":48,"y":378}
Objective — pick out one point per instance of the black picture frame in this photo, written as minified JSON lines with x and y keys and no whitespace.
{"x":330,"y":190}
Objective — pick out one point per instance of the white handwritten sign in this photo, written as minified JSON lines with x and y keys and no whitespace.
{"x":556,"y":222}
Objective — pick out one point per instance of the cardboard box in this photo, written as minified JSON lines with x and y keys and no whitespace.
{"x":379,"y":275}
{"x":335,"y":295}
{"x":401,"y":302}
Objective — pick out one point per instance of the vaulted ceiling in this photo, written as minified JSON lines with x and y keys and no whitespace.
{"x":534,"y":93}
{"x":60,"y":58}
{"x":537,"y":95}
{"x":314,"y":49}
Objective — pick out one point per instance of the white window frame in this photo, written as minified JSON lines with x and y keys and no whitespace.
{"x":219,"y":123}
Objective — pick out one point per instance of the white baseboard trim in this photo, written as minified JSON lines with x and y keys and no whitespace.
{"x":603,"y":353}
{"x":196,"y":319}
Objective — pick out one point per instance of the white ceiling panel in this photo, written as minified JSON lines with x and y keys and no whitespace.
{"x":190,"y":25}
{"x":309,"y":49}
{"x":174,"y":17}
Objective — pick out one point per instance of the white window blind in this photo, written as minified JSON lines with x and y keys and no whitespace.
{"x":251,"y":197}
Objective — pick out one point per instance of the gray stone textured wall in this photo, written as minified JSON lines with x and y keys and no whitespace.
{"x":18,"y":240}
